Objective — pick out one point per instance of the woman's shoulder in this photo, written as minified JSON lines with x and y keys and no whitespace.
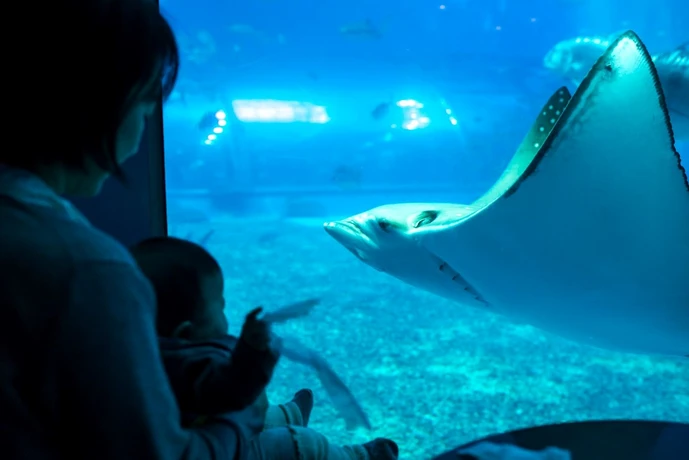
{"x":46,"y":261}
{"x":44,"y":233}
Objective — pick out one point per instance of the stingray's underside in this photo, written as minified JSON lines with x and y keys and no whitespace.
{"x":587,"y":235}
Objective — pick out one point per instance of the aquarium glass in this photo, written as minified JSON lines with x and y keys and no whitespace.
{"x":290,"y":114}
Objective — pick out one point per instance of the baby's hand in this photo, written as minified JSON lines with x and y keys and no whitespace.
{"x":255,"y":331}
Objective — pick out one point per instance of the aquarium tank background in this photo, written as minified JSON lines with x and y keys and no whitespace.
{"x":288,"y":114}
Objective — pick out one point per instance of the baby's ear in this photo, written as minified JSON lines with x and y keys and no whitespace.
{"x":183,"y":331}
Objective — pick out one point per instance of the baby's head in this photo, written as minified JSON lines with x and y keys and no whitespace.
{"x":188,"y":283}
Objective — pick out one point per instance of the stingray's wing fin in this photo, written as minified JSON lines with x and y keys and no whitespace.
{"x":541,"y":128}
{"x":597,"y":225}
{"x":625,"y":70}
{"x":530,"y":146}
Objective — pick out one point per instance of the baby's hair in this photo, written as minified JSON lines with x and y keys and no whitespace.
{"x":177,"y":270}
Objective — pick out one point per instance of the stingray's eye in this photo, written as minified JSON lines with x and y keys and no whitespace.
{"x":384,"y":225}
{"x":425,"y":218}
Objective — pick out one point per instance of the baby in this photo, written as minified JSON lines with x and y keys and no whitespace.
{"x":212,"y":372}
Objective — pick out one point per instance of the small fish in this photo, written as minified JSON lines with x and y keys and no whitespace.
{"x":241,"y":29}
{"x":364,"y":29}
{"x":291,"y":311}
{"x":208,"y":121}
{"x":340,"y":395}
{"x":198,"y":49}
{"x":381,"y":110}
{"x":249,"y":31}
{"x":205,"y":238}
{"x":347,"y":177}
{"x":200,"y":241}
{"x":268,"y":238}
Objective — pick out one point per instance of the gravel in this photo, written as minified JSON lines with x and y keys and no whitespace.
{"x":431,"y":374}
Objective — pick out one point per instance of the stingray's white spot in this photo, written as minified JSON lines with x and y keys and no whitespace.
{"x":541,"y":129}
{"x":537,"y":144}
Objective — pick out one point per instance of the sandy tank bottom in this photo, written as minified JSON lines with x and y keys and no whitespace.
{"x":431,"y":374}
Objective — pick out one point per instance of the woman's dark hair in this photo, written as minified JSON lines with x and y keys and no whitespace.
{"x":177,"y":270}
{"x":73,"y":70}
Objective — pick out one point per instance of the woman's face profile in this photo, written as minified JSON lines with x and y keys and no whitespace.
{"x":131,"y":130}
{"x":129,"y":136}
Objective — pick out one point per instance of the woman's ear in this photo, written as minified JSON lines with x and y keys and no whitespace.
{"x":183,"y":331}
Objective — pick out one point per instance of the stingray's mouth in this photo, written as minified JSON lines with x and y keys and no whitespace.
{"x":350,"y":235}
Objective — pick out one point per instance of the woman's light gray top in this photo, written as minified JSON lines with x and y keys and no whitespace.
{"x":80,"y":369}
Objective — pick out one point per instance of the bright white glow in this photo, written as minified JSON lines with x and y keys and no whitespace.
{"x":411,"y":125}
{"x":318,"y":115}
{"x":221,"y":121}
{"x":274,"y":111}
{"x":414,"y":118}
{"x":409,"y":103}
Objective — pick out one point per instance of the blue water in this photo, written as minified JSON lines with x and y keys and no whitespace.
{"x":282,"y":120}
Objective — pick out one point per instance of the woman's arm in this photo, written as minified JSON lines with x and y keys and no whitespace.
{"x":116,"y":401}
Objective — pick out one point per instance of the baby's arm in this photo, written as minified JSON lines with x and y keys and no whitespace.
{"x":218,"y":377}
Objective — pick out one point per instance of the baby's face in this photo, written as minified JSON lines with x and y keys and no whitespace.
{"x":212,"y":324}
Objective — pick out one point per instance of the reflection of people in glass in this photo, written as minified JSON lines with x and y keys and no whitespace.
{"x":80,"y":374}
{"x":487,"y":450}
{"x":673,"y":443}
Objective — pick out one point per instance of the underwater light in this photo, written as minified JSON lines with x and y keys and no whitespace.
{"x":411,"y":103}
{"x":414,"y":118}
{"x":273,"y":111}
{"x":214,"y":122}
{"x":448,"y":111}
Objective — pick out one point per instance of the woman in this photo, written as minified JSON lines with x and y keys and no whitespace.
{"x":80,"y":370}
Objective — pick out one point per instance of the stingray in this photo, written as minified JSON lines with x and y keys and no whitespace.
{"x":381,"y":239}
{"x":586,"y":233}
